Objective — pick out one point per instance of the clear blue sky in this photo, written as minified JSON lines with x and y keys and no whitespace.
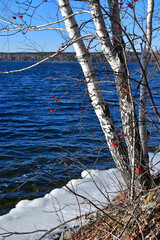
{"x":30,"y":41}
{"x":45,"y":40}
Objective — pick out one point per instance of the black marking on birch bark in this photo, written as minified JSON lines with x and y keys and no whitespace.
{"x":119,"y":50}
{"x":71,"y":12}
{"x":94,"y":2}
{"x":86,"y":54}
{"x":107,"y":111}
{"x":102,"y":39}
{"x":83,"y":61}
{"x":74,"y":26}
{"x":64,"y":5}
{"x":95,"y":16}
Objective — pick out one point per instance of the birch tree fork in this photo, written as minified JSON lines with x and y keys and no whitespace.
{"x":126,"y":159}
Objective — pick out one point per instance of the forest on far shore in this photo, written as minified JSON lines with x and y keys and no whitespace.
{"x":63,"y":57}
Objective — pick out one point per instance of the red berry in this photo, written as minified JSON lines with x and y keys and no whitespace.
{"x":130,"y":5}
{"x":114,"y":42}
{"x":122,"y":133}
{"x":51,"y":110}
{"x":115,"y":145}
{"x":14,"y":17}
{"x":58,"y":51}
{"x":107,"y":73}
{"x":90,"y":101}
{"x":20,"y":16}
{"x":138,"y":170}
{"x":82,"y":108}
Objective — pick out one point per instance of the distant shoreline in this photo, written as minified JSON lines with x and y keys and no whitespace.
{"x":63,"y":57}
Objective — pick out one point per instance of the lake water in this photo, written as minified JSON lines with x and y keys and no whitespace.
{"x":48,"y":130}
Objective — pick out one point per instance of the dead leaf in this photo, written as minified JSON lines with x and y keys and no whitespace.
{"x":149,"y":198}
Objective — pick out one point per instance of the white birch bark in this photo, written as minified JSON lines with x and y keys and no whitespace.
{"x":116,"y":147}
{"x":143,"y":87}
{"x":115,"y":55}
{"x":116,"y":59}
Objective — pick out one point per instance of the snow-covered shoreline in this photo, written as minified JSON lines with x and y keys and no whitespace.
{"x":61,"y":205}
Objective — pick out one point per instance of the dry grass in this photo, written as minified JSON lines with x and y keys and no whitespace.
{"x":139,"y":220}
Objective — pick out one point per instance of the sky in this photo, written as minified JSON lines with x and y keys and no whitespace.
{"x":31,"y":41}
{"x":50,"y":40}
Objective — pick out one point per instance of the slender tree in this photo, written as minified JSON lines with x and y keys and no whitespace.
{"x":145,"y":57}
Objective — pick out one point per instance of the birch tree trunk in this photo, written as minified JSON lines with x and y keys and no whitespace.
{"x":126,"y":159}
{"x":116,"y":57}
{"x":102,"y":111}
{"x":143,"y":87}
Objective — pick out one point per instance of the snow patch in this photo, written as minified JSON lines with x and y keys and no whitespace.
{"x":61,"y":204}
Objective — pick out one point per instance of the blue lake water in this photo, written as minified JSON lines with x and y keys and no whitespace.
{"x":41,"y":149}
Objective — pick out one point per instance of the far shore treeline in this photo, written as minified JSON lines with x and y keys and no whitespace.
{"x":63,"y":57}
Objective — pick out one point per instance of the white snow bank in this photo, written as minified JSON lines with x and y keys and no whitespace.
{"x":154,"y":162}
{"x":61,"y":204}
